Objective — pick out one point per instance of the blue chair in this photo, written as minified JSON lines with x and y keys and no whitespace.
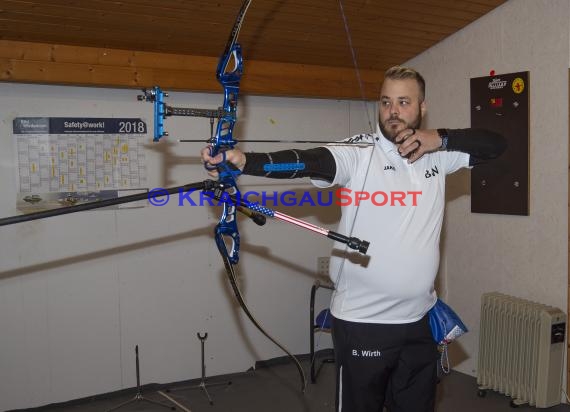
{"x":322,"y":323}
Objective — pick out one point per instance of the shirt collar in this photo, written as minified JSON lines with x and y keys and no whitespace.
{"x":386,"y":145}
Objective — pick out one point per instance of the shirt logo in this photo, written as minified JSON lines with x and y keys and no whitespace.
{"x":389,"y":167}
{"x":431,"y":173}
{"x":359,"y":138}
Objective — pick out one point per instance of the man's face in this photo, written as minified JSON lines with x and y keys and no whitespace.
{"x":401,"y":107}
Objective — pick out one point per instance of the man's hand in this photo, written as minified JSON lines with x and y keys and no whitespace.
{"x":234,"y":156}
{"x":414,"y":143}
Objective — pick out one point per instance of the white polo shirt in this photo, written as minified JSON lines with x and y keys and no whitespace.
{"x":402,"y":218}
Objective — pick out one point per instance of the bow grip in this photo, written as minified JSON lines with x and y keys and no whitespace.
{"x":208,"y":166}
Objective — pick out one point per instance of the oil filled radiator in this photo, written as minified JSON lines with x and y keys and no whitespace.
{"x":521,"y":350}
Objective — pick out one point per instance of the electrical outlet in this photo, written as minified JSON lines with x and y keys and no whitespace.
{"x":323,"y":266}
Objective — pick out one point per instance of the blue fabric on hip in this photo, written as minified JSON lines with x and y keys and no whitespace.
{"x":445,"y":324}
{"x":324,"y":319}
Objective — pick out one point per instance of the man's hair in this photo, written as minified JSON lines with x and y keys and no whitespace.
{"x":402,"y":72}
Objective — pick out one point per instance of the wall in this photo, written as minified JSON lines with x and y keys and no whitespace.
{"x":78,"y":292}
{"x":522,"y":256}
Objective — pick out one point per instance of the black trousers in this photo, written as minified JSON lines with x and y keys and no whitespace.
{"x":385,"y":365}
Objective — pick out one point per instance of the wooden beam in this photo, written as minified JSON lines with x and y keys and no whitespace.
{"x":89,"y":66}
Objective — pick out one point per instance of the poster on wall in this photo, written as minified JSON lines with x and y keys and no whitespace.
{"x":64,"y":161}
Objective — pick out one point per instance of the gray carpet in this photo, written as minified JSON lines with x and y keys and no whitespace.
{"x":276,"y":388}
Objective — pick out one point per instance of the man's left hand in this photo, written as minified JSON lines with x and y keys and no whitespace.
{"x":414,"y":143}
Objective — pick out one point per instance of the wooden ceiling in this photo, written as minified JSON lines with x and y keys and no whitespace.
{"x":280,"y":36}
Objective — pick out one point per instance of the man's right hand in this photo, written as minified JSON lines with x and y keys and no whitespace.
{"x":234,"y":156}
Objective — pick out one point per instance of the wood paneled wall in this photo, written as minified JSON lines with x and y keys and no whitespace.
{"x":91,"y":66}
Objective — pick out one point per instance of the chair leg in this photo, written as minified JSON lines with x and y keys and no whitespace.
{"x":312,"y":332}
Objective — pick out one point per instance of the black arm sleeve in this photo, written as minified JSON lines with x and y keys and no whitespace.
{"x":318,"y":163}
{"x":480,"y":144}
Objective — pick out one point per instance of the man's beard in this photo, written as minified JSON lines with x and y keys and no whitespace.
{"x":390,"y":133}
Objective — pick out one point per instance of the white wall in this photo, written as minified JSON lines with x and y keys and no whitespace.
{"x":522,"y":256}
{"x":78,"y":292}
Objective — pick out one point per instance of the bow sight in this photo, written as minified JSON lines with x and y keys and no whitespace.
{"x":162,"y":110}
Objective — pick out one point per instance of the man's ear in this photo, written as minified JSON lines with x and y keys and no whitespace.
{"x":423,"y":108}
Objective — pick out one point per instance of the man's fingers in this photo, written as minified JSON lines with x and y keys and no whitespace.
{"x":209,"y":162}
{"x":233,"y":156}
{"x":413,"y":144}
{"x":404,"y":135}
{"x":207,"y":157}
{"x":416,"y":153}
{"x":410,"y":146}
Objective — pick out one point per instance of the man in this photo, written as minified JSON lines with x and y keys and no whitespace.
{"x":384,"y":349}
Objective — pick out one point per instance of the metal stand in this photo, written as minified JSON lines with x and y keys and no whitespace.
{"x":202,"y":385}
{"x":139,"y":397}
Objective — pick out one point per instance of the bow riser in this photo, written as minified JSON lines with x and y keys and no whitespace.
{"x":230,"y":81}
{"x":226,"y":232}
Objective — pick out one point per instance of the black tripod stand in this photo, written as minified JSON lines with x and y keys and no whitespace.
{"x":202,"y":385}
{"x":139,"y":397}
